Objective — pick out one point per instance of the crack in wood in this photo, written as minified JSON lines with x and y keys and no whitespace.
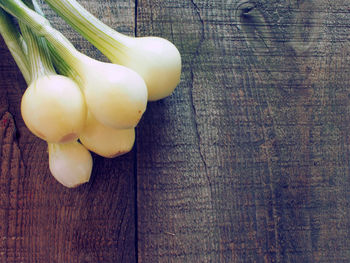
{"x":197,"y":54}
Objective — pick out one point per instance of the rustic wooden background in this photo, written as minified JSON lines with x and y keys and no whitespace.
{"x":248,"y":160}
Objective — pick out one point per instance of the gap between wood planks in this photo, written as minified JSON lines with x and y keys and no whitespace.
{"x":135,"y":167}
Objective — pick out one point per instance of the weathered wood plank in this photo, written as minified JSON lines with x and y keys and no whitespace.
{"x":248,"y":161}
{"x":40,"y":220}
{"x":172,"y":171}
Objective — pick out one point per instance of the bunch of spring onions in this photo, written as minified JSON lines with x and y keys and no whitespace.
{"x":74,"y":102}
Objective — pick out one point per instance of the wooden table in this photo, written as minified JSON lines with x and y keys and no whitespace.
{"x":248,"y":160}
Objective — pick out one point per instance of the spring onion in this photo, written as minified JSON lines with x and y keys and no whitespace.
{"x":106,"y":141}
{"x":70,"y":163}
{"x":115,"y":95}
{"x":52,"y":107}
{"x":157,"y":60}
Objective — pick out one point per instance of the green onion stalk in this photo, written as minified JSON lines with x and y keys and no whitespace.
{"x":15,"y":43}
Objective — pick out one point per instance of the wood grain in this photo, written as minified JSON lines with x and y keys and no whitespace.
{"x":248,"y":160}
